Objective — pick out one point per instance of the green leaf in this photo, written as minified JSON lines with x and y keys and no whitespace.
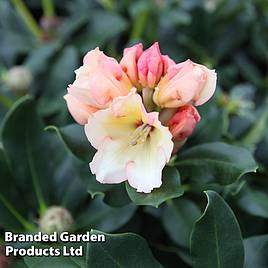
{"x":114,"y":195}
{"x":101,"y":216}
{"x":210,"y":127}
{"x":60,"y":75}
{"x":29,"y":152}
{"x":51,"y":262}
{"x":75,"y":140}
{"x":103,"y":26}
{"x":17,"y":38}
{"x":256,"y":249}
{"x":248,"y":68}
{"x":253,"y":202}
{"x":257,"y":131}
{"x":215,"y":162}
{"x":171,"y":188}
{"x":216,"y":240}
{"x":178,"y":219}
{"x":9,"y":194}
{"x":38,"y":60}
{"x":70,"y":187}
{"x":121,"y":250}
{"x":18,"y":264}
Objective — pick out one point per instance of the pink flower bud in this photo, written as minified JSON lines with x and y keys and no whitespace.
{"x":168,"y":62}
{"x":185,"y":83}
{"x":183,"y":122}
{"x":129,"y":63}
{"x":150,"y":66}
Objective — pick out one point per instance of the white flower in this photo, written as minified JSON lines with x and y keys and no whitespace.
{"x":131,"y":144}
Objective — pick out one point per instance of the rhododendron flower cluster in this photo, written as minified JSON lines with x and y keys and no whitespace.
{"x":138,"y":111}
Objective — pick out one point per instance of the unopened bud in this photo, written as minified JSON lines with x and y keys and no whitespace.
{"x":49,"y":26}
{"x":18,"y":78}
{"x":182,"y":124}
{"x":55,"y":219}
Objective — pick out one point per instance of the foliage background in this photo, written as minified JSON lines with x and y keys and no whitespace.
{"x":44,"y":157}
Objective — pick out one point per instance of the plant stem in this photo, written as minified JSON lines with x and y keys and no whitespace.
{"x":139,"y":25}
{"x":28,"y":226}
{"x":27,"y":18}
{"x":48,"y":8}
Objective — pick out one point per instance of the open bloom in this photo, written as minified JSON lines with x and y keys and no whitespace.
{"x":116,"y":103}
{"x":185,"y":83}
{"x":131,"y":144}
{"x":97,"y":83}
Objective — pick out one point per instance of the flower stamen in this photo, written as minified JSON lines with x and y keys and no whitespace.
{"x":140,"y":134}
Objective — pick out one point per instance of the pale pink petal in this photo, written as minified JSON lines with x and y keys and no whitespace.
{"x":168,"y":62}
{"x":129,"y":63}
{"x":185,"y":83}
{"x":209,"y":88}
{"x":99,"y":81}
{"x":79,"y":111}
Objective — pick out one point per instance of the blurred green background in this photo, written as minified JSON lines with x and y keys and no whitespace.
{"x":50,"y":38}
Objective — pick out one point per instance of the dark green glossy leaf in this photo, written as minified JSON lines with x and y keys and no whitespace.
{"x":257,"y":131}
{"x":170,"y":188}
{"x":52,"y":262}
{"x":38,"y":60}
{"x":60,"y":75}
{"x":98,"y":215}
{"x":17,"y":38}
{"x":256,"y":249}
{"x":29,"y":151}
{"x":210,"y":127}
{"x":70,"y":187}
{"x":248,"y":68}
{"x":117,"y":196}
{"x":114,"y":195}
{"x":216,"y":240}
{"x":253,"y":202}
{"x":121,"y":250}
{"x":9,"y":194}
{"x":75,"y":141}
{"x":215,"y":162}
{"x":178,"y":219}
{"x":102,"y":28}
